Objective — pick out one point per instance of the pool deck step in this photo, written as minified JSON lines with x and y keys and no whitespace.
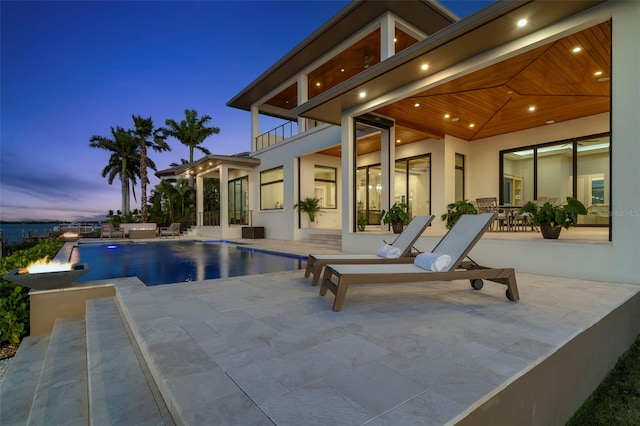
{"x":61,"y":395}
{"x":326,"y":239}
{"x":20,"y":383}
{"x":89,"y":371}
{"x":120,"y":389}
{"x":195,"y":388}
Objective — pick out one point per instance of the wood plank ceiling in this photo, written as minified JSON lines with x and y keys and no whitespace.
{"x":548,"y":84}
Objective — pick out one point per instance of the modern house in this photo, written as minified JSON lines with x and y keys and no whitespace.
{"x":402,"y":102}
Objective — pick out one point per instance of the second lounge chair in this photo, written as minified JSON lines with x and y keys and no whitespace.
{"x":457,"y":243}
{"x":404,"y":242}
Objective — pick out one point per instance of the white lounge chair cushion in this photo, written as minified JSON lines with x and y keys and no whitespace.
{"x":433,"y":261}
{"x":389,"y":252}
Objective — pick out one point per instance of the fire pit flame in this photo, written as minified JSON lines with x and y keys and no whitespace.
{"x":45,"y":265}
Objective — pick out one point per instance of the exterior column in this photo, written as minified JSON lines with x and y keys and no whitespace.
{"x":348,"y":176}
{"x":255,"y":131}
{"x":199,"y":200}
{"x":387,"y":166}
{"x":387,"y":36}
{"x":224,"y":197}
{"x":303,"y":96}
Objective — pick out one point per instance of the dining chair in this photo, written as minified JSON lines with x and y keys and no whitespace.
{"x":490,"y":205}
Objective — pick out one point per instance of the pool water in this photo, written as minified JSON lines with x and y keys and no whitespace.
{"x":178,"y":262}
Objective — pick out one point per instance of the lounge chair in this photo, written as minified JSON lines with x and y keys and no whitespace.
{"x":404,"y":242}
{"x":108,"y":231}
{"x":172,"y":230}
{"x":457,"y":243}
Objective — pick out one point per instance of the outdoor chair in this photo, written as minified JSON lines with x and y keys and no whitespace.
{"x":490,"y":205}
{"x":404,"y":242}
{"x":456,"y":244}
{"x":172,"y":230}
{"x":108,"y":231}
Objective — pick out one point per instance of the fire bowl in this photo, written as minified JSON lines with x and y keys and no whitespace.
{"x":47,"y":280}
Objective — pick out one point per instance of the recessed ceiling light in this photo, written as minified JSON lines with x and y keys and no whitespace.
{"x":318,"y":84}
{"x":472,"y":125}
{"x":577,"y":49}
{"x":510,"y":92}
{"x":362,"y":94}
{"x":454,"y":119}
{"x":341,"y":69}
{"x":532,"y":108}
{"x":603,"y":79}
{"x":597,"y":73}
{"x":416,"y":105}
{"x":398,"y":141}
{"x":395,"y":39}
{"x":522,"y":22}
{"x":551,"y":121}
{"x":447,"y":116}
{"x":424,"y":67}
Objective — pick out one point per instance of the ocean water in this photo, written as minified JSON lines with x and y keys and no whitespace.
{"x":12,"y":232}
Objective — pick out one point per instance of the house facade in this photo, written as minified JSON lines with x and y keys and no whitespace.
{"x":402,"y":102}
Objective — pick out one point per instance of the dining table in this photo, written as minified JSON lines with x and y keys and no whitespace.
{"x":511,"y":211}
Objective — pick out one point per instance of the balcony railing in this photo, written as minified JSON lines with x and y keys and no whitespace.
{"x":278,"y":134}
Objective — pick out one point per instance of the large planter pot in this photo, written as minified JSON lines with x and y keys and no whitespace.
{"x":548,"y":232}
{"x":397,"y":227}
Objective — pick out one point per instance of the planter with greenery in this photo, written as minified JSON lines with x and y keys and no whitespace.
{"x":455,"y":210}
{"x":14,"y":299}
{"x":551,"y":219}
{"x":311,"y":206}
{"x":397,"y":216}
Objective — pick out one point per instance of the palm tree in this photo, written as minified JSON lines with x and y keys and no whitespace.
{"x":192,"y":131}
{"x":123,"y":162}
{"x":147,"y":137}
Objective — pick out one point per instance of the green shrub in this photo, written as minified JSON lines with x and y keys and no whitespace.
{"x":14,"y":316}
{"x":14,"y":299}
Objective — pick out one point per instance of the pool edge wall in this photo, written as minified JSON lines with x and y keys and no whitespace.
{"x":47,"y":305}
{"x":551,"y":391}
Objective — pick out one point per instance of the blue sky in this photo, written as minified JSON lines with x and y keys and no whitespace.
{"x":73,"y":69}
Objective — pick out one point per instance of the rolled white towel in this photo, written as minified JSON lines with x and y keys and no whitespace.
{"x":432,"y":261}
{"x":382,"y":251}
{"x":394,"y":253}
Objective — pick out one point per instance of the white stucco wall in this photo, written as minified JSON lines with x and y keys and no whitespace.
{"x":282,"y":224}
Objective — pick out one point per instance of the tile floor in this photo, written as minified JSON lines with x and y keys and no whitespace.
{"x":267,"y":349}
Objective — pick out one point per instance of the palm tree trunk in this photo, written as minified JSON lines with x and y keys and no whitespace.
{"x":125,"y":195}
{"x":143,"y":180}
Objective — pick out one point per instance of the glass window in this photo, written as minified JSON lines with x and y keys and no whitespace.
{"x":239,"y":201}
{"x":575,"y":168}
{"x":325,"y":186}
{"x":517,"y":179}
{"x":593,"y":179}
{"x":459,"y":177}
{"x":369,"y":188}
{"x":272,"y":189}
{"x":413,"y":184}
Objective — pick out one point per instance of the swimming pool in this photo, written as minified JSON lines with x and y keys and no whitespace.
{"x":178,"y":262}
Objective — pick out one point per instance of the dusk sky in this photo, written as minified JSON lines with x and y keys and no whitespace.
{"x":73,"y":69}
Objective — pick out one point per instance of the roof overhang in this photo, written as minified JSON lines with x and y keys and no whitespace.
{"x":208,"y":163}
{"x":424,"y":15}
{"x":487,"y":29}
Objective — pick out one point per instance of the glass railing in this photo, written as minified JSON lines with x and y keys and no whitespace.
{"x":278,"y":134}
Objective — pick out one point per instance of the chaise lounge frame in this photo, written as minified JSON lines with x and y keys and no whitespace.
{"x":404,"y":242}
{"x":338,"y":278}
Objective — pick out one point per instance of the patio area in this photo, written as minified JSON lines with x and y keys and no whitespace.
{"x":267,"y":349}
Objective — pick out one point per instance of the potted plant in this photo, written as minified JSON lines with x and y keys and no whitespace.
{"x":551,"y":219}
{"x":362,"y":220}
{"x":397,"y":216}
{"x":455,"y":210}
{"x":311,"y":206}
